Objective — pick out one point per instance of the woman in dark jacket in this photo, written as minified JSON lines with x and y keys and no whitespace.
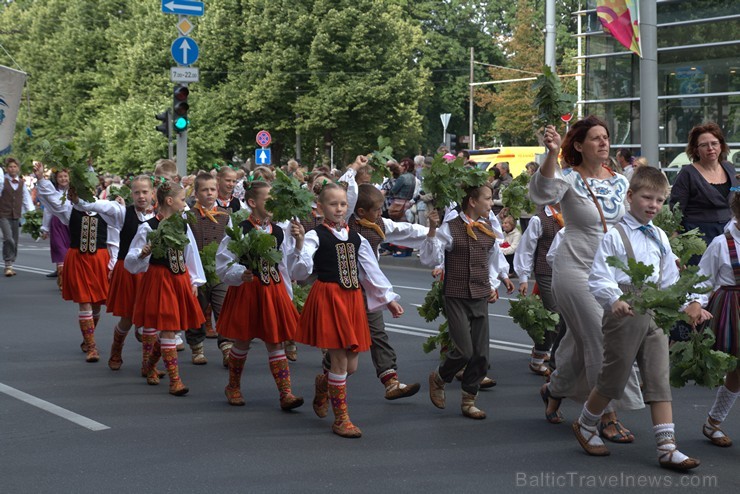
{"x":703,"y":187}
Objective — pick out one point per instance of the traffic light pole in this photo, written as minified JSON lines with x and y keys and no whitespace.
{"x":182,"y":148}
{"x":170,"y":146}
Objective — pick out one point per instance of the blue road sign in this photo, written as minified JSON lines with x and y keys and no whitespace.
{"x":183,"y":7}
{"x":263,"y":156}
{"x":185,"y":51}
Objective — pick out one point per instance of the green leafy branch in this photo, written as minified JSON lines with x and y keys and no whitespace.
{"x":208,"y":259}
{"x":33,"y":220}
{"x":170,"y":234}
{"x":515,"y":196}
{"x":252,"y":248}
{"x":531,"y":315}
{"x":684,"y":244}
{"x":300,"y":294}
{"x":64,"y":155}
{"x":288,"y":199}
{"x":121,"y":191}
{"x":378,"y":160}
{"x":430,"y":310}
{"x":695,"y":360}
{"x":648,"y":298}
{"x":550,"y":100}
{"x":448,"y":182}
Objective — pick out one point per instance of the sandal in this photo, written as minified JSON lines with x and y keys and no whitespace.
{"x":540,"y":369}
{"x":554,"y":417}
{"x":592,"y":449}
{"x":666,"y":459}
{"x":716,"y":435}
{"x":622,"y":436}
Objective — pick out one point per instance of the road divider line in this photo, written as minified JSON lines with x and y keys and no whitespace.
{"x":53,"y":409}
{"x":427,"y":289}
{"x":31,"y":269}
{"x":492,"y":315}
{"x":509,"y":346}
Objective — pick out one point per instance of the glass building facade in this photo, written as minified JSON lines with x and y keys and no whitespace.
{"x":698,"y":75}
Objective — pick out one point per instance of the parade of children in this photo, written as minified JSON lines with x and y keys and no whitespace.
{"x":165,"y":260}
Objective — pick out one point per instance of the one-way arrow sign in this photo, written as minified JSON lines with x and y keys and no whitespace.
{"x":185,"y":51}
{"x":183,"y":7}
{"x":263,"y":156}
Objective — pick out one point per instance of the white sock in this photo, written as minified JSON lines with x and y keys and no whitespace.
{"x":665,"y":436}
{"x":178,"y":338}
{"x":587,"y":421}
{"x":723,"y":404}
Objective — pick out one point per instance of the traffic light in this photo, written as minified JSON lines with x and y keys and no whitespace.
{"x":164,"y":127}
{"x":452,"y":140}
{"x":180,"y":108}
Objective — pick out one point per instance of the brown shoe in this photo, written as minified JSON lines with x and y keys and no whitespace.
{"x":592,"y":449}
{"x":395,"y":389}
{"x":321,"y":396}
{"x":234,"y":396}
{"x":115,"y":362}
{"x":469,"y":409}
{"x":199,"y":357}
{"x":92,"y":354}
{"x":346,"y":429}
{"x":291,"y":351}
{"x":177,"y":388}
{"x":716,"y":435}
{"x":152,"y":377}
{"x":487,"y":383}
{"x":290,"y":401}
{"x":666,"y":459}
{"x":436,"y":390}
{"x":9,"y":271}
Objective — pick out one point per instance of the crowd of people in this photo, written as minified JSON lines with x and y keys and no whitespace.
{"x":590,"y":207}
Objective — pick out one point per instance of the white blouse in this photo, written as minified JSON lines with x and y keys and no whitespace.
{"x":135,"y":265}
{"x":378,"y":289}
{"x":715,"y":263}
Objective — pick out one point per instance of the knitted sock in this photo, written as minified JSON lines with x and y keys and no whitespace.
{"x":338,"y":396}
{"x":723,"y":404}
{"x":87,"y":327}
{"x":169,"y":355}
{"x":149,"y":337}
{"x":388,"y":375}
{"x":587,"y":421}
{"x":665,"y":437}
{"x":280,"y":371}
{"x":237,"y":358}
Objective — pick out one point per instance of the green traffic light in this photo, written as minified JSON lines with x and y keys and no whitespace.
{"x":181,"y":124}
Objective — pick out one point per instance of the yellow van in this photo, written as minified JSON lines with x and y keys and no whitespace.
{"x":517,"y":157}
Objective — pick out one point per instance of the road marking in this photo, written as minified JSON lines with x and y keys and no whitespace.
{"x":53,"y":409}
{"x":31,"y":269}
{"x":493,"y":315}
{"x":508,"y":346}
{"x":427,"y":289}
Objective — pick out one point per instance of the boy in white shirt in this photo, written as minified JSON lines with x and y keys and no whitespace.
{"x":629,"y":336}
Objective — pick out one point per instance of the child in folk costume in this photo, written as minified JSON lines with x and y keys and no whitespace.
{"x":472,"y":259}
{"x":630,"y":337}
{"x":532,"y":256}
{"x":56,"y":231}
{"x":367,"y":221}
{"x":210,"y":223}
{"x":123,"y":285}
{"x":226,"y":182}
{"x":15,"y":201}
{"x":85,"y":280}
{"x":258,"y":304}
{"x":167,"y":299}
{"x":334,"y":313}
{"x":721,"y":263}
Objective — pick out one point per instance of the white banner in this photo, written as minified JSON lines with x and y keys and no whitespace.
{"x":11,"y":94}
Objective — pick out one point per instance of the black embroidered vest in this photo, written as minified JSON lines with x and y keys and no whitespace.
{"x":87,"y":233}
{"x":337,"y":261}
{"x":128,"y":231}
{"x":267,"y":274}
{"x":174,"y":260}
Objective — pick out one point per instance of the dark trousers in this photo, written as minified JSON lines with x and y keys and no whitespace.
{"x":213,"y":295}
{"x":468,"y":326}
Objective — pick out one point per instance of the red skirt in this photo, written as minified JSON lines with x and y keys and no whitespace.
{"x":253,"y":310}
{"x":85,"y":279}
{"x":334,"y":318}
{"x":165,"y":301}
{"x":123,"y":289}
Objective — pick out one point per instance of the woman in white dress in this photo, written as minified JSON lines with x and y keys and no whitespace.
{"x":592,"y":199}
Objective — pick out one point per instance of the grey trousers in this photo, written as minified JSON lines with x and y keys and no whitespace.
{"x":9,"y":229}
{"x":545,"y":284}
{"x":213,"y":295}
{"x":468,"y":326}
{"x":381,"y":351}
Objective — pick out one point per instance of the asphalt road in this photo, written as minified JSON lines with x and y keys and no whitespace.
{"x":113,"y":433}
